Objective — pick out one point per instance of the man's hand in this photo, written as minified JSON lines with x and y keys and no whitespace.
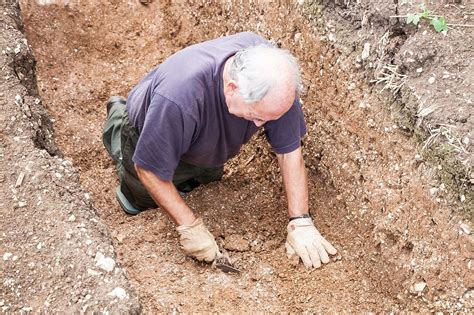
{"x":198,"y":242}
{"x":305,"y":240}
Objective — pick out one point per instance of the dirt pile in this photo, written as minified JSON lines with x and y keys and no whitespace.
{"x":51,"y":240}
{"x":373,"y":194}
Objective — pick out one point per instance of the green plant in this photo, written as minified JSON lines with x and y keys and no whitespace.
{"x":438,"y":22}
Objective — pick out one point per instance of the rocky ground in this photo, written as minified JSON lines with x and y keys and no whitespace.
{"x":56,"y":254}
{"x":389,"y":172}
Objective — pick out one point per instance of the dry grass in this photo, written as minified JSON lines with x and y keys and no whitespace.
{"x":391,"y":79}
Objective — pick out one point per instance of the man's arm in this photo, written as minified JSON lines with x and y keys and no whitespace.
{"x":165,"y":194}
{"x":195,"y":239}
{"x":303,"y":238}
{"x":295,"y":181}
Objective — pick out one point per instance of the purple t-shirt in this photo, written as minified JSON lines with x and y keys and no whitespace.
{"x":180,"y":111}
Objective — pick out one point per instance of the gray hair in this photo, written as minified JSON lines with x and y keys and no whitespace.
{"x":256,"y":71}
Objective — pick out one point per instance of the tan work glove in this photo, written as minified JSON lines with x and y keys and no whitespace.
{"x":198,"y":242}
{"x":305,"y":240}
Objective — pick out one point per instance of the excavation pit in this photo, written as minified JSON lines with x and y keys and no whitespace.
{"x":368,"y":193}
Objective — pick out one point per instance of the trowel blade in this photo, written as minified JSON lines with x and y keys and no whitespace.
{"x":223,"y":263}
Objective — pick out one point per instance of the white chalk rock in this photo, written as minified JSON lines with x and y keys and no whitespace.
{"x":7,"y":256}
{"x":465,"y":228}
{"x":365,"y":51}
{"x":104,"y":263}
{"x":119,"y":293}
{"x":419,"y":287}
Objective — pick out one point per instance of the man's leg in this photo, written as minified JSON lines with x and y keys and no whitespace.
{"x":130,"y":185}
{"x":209,"y":174}
{"x":187,"y":176}
{"x":113,"y":128}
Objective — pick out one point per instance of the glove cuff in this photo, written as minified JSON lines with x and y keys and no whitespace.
{"x":196,"y":223}
{"x":301,"y":222}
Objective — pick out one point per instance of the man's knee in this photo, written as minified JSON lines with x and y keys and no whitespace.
{"x":209,"y":175}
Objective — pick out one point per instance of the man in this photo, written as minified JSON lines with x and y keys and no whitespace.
{"x":191,"y":114}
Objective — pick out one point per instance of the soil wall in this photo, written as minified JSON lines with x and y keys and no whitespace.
{"x":51,"y":238}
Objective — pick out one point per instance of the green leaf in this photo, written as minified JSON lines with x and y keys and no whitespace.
{"x":410,"y":18}
{"x":416,"y":18}
{"x":425,"y":14}
{"x":439,"y":24}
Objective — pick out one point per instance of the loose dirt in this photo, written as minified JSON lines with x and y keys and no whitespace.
{"x":56,"y":255}
{"x":373,"y":195}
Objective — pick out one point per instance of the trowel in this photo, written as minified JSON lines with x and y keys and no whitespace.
{"x":223,"y":262}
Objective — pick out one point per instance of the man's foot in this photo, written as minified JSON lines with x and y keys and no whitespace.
{"x":124,"y":203}
{"x":188,"y":186}
{"x":115,"y":100}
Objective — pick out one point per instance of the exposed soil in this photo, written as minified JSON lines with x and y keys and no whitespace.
{"x":373,"y":194}
{"x":51,"y":240}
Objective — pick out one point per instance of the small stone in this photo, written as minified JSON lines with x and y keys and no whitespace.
{"x":236,"y":242}
{"x":7,"y":256}
{"x":261,"y":272}
{"x":119,"y":293}
{"x":466,"y":229}
{"x":462,"y":198}
{"x":419,"y":287}
{"x":365,"y":51}
{"x":92,"y":272}
{"x":419,"y":70}
{"x":19,"y":180}
{"x":297,"y":37}
{"x":104,"y":263}
{"x":72,"y":218}
{"x":22,"y":204}
{"x":431,"y":80}
{"x":18,"y":99}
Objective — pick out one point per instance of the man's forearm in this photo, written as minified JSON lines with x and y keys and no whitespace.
{"x":295,"y":181}
{"x":165,"y":194}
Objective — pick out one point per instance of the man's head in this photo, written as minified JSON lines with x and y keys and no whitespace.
{"x":261,"y":83}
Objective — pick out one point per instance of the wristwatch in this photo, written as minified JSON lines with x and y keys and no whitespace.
{"x":303,"y":216}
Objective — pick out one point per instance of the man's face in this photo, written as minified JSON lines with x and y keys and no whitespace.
{"x":274,"y":105}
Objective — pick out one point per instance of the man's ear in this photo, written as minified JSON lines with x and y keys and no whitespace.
{"x":232,"y":85}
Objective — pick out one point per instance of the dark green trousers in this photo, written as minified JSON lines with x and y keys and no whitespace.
{"x":120,"y":139}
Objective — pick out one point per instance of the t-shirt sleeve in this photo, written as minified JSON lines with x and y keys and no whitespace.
{"x":285,"y":133}
{"x":166,"y":135}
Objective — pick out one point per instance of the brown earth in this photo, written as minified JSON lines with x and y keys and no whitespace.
{"x":51,"y":239}
{"x":373,"y":193}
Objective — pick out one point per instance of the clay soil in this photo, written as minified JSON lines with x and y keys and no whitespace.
{"x":402,"y":239}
